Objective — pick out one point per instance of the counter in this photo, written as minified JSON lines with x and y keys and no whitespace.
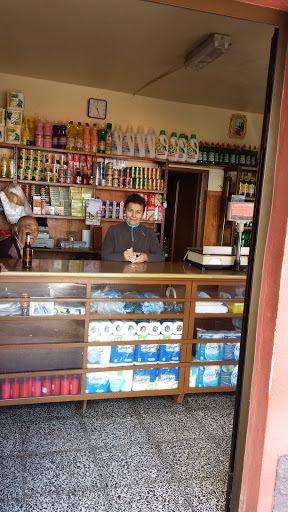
{"x":91,"y":329}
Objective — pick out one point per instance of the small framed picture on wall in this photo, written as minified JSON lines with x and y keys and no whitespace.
{"x":238,"y":125}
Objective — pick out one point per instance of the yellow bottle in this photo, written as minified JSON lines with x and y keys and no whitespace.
{"x":70,"y":136}
{"x":4,"y":166}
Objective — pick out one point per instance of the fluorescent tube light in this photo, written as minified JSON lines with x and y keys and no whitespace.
{"x":209,"y":50}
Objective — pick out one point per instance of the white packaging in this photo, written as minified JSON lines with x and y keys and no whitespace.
{"x":106,"y":328}
{"x":128,"y":142}
{"x":2,"y":116}
{"x":150,"y":144}
{"x":13,"y":118}
{"x":15,"y":100}
{"x":118,"y":327}
{"x":142,"y":329}
{"x":13,"y":135}
{"x":167,"y":328}
{"x":139,"y":143}
{"x":177,"y":327}
{"x":182,"y":153}
{"x":173,"y":148}
{"x":130,"y":328}
{"x":98,"y":357}
{"x":120,"y":381}
{"x":154,"y":328}
{"x":116,"y":141}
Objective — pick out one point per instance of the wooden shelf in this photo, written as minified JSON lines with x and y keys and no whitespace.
{"x":60,"y":217}
{"x":50,"y":183}
{"x":133,"y":158}
{"x":144,"y":190}
{"x":45,"y":150}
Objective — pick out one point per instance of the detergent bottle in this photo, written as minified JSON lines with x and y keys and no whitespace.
{"x":128,"y":142}
{"x":182,"y":150}
{"x":161,"y":147}
{"x":173,"y":148}
{"x":139,"y":143}
{"x":150,"y":144}
{"x":192,"y":149}
{"x":116,"y":141}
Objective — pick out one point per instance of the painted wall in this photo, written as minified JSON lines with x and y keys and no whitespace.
{"x":62,"y":102}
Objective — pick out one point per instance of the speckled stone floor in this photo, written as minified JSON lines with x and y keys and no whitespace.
{"x":136,"y":455}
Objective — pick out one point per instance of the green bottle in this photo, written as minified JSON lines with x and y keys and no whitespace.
{"x":199,"y":160}
{"x":205,"y":153}
{"x":254,"y":157}
{"x":242,"y":160}
{"x":216,"y":154}
{"x":211,"y":154}
{"x":227,"y":151}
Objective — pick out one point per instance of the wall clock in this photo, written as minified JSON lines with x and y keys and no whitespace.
{"x":97,"y":108}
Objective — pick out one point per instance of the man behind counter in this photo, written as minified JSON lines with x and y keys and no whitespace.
{"x":12,"y":247}
{"x":130,"y":240}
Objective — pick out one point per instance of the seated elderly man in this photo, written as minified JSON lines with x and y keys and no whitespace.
{"x":12,"y":247}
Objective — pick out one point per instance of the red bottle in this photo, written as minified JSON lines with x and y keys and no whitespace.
{"x":46,"y":386}
{"x":36,"y":386}
{"x":74,"y":385}
{"x":15,"y":387}
{"x":65,"y":383}
{"x":5,"y":389}
{"x":55,"y":385}
{"x":24,"y":388}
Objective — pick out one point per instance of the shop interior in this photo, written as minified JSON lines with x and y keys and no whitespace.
{"x":132,"y":54}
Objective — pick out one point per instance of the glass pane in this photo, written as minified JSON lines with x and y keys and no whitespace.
{"x":213,"y":351}
{"x":122,"y":355}
{"x":40,"y":359}
{"x":213,"y":375}
{"x":27,"y":387}
{"x":44,"y":331}
{"x":55,"y":290}
{"x":137,"y":291}
{"x":132,"y":380}
{"x":220,"y":326}
{"x":133,"y":330}
{"x":220,"y":291}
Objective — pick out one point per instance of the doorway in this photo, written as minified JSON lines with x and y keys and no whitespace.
{"x":185,"y":213}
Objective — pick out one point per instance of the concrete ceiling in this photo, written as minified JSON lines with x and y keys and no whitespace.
{"x":121,"y":45}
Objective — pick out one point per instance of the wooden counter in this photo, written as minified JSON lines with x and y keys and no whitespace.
{"x":45,"y":356}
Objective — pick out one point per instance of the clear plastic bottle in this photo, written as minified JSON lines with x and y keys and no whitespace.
{"x":11,"y":167}
{"x":94,"y":139}
{"x":70,"y":136}
{"x":79,"y":137}
{"x":86,"y":138}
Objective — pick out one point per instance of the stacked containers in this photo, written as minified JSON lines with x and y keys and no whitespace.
{"x":14,"y":114}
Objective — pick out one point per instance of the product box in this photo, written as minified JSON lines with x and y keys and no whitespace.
{"x":15,"y":100}
{"x":13,"y":118}
{"x":158,"y":199}
{"x":235,"y":307}
{"x":167,"y":378}
{"x":209,"y":351}
{"x":59,"y":210}
{"x":231,"y":351}
{"x":41,"y":308}
{"x":2,"y":116}
{"x":144,"y":380}
{"x":150,"y":213}
{"x":208,"y":376}
{"x":158,"y":213}
{"x":2,"y":134}
{"x":49,"y":209}
{"x":13,"y":135}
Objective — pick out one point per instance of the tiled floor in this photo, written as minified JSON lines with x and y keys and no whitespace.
{"x":122,"y":455}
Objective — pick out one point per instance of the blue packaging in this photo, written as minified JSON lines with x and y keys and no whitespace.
{"x":122,"y":354}
{"x":231,"y":351}
{"x":146,"y":354}
{"x":97,"y":382}
{"x":167,"y":378}
{"x":229,"y":374}
{"x":144,"y":379}
{"x":169,"y":353}
{"x":208,"y":376}
{"x":193,"y":377}
{"x":209,"y":351}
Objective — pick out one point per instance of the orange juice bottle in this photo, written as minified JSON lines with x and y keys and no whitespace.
{"x":86,"y":138}
{"x":94,"y":139}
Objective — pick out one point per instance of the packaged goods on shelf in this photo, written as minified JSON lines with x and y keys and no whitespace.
{"x":2,"y":116}
{"x":2,"y":134}
{"x":229,"y":375}
{"x":203,"y":333}
{"x":34,"y":387}
{"x":209,"y":351}
{"x":13,"y":135}
{"x":167,"y":378}
{"x":105,"y":382}
{"x":235,"y":307}
{"x":122,"y":355}
{"x":14,"y":118}
{"x":169,"y":353}
{"x":146,"y":354}
{"x":93,"y":208}
{"x":15,"y":100}
{"x":231,"y":351}
{"x":98,"y":356}
{"x":208,"y":376}
{"x":144,"y":379}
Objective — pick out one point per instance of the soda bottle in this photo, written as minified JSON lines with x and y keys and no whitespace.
{"x":79,"y":137}
{"x":94,"y":139}
{"x":108,"y":139}
{"x":78,"y":176}
{"x":27,"y":253}
{"x":232,"y":159}
{"x":85,"y":179}
{"x":4,"y":166}
{"x":101,"y":140}
{"x":62,"y":137}
{"x":55,"y":131}
{"x":221,"y":153}
{"x":70,"y":132}
{"x":86,"y":138}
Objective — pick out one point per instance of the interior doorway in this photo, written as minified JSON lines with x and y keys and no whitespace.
{"x":185,"y":213}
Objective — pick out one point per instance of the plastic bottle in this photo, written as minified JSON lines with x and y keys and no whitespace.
{"x":4,"y":166}
{"x":128,"y":142}
{"x":70,"y":136}
{"x":47,"y":134}
{"x":227,"y":152}
{"x":116,"y":141}
{"x":173,"y":148}
{"x":248,"y":157}
{"x":182,"y":149}
{"x":200,"y":153}
{"x":254,"y":154}
{"x":55,"y":131}
{"x":192,"y":149}
{"x":11,"y":167}
{"x":101,"y":133}
{"x":85,"y":179}
{"x":27,"y":253}
{"x":62,"y":137}
{"x":94,"y":139}
{"x":86,"y":138}
{"x":161,"y":146}
{"x":242,"y":160}
{"x":221,"y":154}
{"x":211,"y":154}
{"x":79,"y":137}
{"x":232,"y":156}
{"x":108,"y":138}
{"x":205,"y":153}
{"x":139,"y":143}
{"x":39,"y":137}
{"x":150,"y":144}
{"x":216,"y":154}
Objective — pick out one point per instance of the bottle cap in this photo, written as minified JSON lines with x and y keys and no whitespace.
{"x":193,"y":136}
{"x":79,"y":124}
{"x":70,"y":122}
{"x":173,"y":134}
{"x":109,"y":126}
{"x":87,"y":124}
{"x":162,"y":132}
{"x":181,"y":136}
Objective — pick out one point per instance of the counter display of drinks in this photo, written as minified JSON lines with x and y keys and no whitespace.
{"x":84,"y":330}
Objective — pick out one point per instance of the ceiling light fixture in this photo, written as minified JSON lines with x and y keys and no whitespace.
{"x":208,"y":51}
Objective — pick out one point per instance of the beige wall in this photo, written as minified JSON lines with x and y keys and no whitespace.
{"x":62,"y":102}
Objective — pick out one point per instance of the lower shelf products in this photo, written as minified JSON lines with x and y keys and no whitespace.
{"x":213,"y":376}
{"x":33,"y":387}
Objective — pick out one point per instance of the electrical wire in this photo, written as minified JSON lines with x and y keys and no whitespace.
{"x":173,"y":70}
